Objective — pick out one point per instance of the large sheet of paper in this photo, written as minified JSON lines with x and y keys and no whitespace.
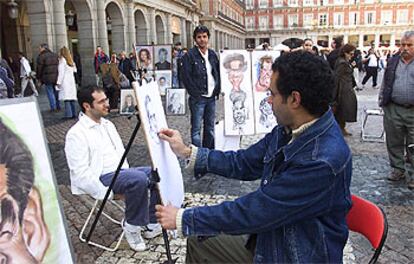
{"x":235,"y":73}
{"x":163,"y":159}
{"x":33,"y":223}
{"x":262,"y":61}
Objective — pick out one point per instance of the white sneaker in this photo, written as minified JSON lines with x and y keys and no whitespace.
{"x":133,"y":236}
{"x":152,"y":230}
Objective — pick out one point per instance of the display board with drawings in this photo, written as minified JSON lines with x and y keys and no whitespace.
{"x":175,"y":101}
{"x":162,"y":57}
{"x":145,"y":56}
{"x":163,"y":79}
{"x":235,"y":74}
{"x":262,"y":61}
{"x":128,"y":102}
{"x":30,"y":202}
{"x":163,"y":159}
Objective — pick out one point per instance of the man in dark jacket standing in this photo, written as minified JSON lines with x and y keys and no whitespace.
{"x":333,"y":56}
{"x":47,"y":73}
{"x":200,"y":74}
{"x":397,"y":100}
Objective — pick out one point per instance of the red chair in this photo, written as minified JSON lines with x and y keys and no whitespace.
{"x":369,"y":220}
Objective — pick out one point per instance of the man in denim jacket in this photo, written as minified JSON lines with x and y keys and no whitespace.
{"x":297,"y":215}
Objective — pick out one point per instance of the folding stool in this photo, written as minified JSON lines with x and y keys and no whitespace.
{"x":371,"y":137}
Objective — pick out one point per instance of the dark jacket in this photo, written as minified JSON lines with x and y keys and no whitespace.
{"x":47,"y":67}
{"x":98,"y":60}
{"x":125,"y":67}
{"x":388,"y":81}
{"x":299,"y":210}
{"x":193,"y":72}
{"x":5,"y":65}
{"x":332,"y":57}
{"x":344,"y":94}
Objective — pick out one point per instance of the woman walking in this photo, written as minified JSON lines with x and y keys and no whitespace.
{"x":66,"y":82}
{"x":345,"y":101}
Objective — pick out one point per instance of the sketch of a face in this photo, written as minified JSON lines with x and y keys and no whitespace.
{"x":24,"y":235}
{"x":265,"y":74}
{"x":162,"y":54}
{"x":239,"y":113}
{"x":267,"y":118}
{"x":144,"y":57}
{"x":235,"y":78}
{"x":235,"y":66}
{"x":129,"y":100}
{"x":152,"y":119}
{"x":162,"y":82}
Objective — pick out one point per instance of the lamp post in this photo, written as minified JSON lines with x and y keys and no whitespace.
{"x":13,"y":9}
{"x":108,"y":23}
{"x":70,"y":18}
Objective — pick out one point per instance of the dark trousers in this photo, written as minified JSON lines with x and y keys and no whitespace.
{"x":219,"y":249}
{"x":203,"y":109}
{"x":371,"y":72}
{"x":133,"y":183}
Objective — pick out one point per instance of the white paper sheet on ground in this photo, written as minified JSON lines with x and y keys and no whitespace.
{"x":261,"y":74}
{"x":163,"y":159}
{"x":235,"y":72}
{"x":223,"y":142}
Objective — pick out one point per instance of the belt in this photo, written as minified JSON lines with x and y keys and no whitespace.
{"x":404,"y":105}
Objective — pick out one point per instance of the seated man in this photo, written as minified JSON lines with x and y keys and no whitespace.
{"x":93,"y":150}
{"x":298,"y":213}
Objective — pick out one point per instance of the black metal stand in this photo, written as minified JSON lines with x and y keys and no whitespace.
{"x":154,"y":180}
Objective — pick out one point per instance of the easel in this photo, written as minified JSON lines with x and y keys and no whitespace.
{"x":154,"y":180}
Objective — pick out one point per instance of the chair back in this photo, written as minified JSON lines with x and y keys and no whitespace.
{"x":369,"y":220}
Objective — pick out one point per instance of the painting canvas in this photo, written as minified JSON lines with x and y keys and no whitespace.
{"x":235,"y":69}
{"x":128,"y":102}
{"x":163,"y":159}
{"x":145,"y":57}
{"x":261,"y":74}
{"x":175,"y":102}
{"x":31,"y":214}
{"x":163,"y":79}
{"x":162,"y":57}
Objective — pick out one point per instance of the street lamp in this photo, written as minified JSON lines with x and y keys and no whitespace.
{"x":13,"y":9}
{"x":70,"y":18}
{"x":109,"y":23}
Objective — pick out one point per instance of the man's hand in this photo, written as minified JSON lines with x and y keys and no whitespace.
{"x":173,"y":137}
{"x":166,"y":216}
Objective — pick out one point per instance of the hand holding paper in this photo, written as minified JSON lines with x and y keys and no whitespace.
{"x":173,"y":137}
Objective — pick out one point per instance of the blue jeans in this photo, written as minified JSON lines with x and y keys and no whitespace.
{"x":202,"y":109}
{"x":53,"y":96}
{"x":133,"y":183}
{"x":70,"y":108}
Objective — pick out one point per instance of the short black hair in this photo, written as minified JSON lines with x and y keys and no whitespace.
{"x":307,"y":74}
{"x":85,"y":95}
{"x":162,"y":50}
{"x":199,"y":30}
{"x":16,"y":157}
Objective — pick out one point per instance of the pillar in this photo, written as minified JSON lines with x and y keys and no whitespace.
{"x":183,"y":33}
{"x":61,"y":38}
{"x":377,"y":40}
{"x":392,"y":40}
{"x":102,"y":29}
{"x":152,"y":27}
{"x":131,"y":32}
{"x":169,"y":37}
{"x":361,"y":41}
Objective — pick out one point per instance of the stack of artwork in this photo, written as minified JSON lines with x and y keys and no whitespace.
{"x":157,"y":60}
{"x":245,"y":81}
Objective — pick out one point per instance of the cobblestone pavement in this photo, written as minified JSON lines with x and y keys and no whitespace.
{"x":370,"y":165}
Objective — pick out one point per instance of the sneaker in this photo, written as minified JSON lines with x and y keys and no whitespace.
{"x":152,"y":230}
{"x":133,"y":236}
{"x":396,"y":175}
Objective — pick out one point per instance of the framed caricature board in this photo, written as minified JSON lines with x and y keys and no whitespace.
{"x":235,"y":68}
{"x":27,"y":183}
{"x":175,"y":101}
{"x":128,"y":102}
{"x":163,"y":79}
{"x":163,"y":159}
{"x":262,"y":61}
{"x":162,"y":57}
{"x":145,"y":57}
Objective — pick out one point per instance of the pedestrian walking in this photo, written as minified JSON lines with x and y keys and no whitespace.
{"x":26,"y":76}
{"x":99,"y":59}
{"x":47,"y":73}
{"x":6,"y":83}
{"x":371,"y":62}
{"x":66,"y":82}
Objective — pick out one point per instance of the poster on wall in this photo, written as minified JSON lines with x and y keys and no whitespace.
{"x":235,"y":69}
{"x":145,"y":57}
{"x":32,"y":219}
{"x":128,"y":102}
{"x":262,"y":61}
{"x":162,"y":57}
{"x":163,"y":79}
{"x":163,"y":159}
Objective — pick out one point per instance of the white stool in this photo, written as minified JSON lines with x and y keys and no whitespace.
{"x":119,"y":222}
{"x":371,"y":137}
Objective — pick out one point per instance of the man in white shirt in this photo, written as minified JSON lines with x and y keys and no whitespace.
{"x":93,"y":150}
{"x":371,"y":62}
{"x":25,"y":75}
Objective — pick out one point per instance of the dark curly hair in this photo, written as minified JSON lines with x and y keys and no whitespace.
{"x":307,"y":74}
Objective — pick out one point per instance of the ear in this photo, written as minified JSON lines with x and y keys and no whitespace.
{"x":296,"y":99}
{"x":35,"y":232}
{"x":86,"y":106}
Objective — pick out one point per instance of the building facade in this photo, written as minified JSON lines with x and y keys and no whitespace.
{"x":360,"y":22}
{"x":82,"y":25}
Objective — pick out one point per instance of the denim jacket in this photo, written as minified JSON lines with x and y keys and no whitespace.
{"x":299,"y":210}
{"x":193,"y":72}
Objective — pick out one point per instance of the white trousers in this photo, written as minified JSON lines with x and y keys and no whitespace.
{"x":28,"y":81}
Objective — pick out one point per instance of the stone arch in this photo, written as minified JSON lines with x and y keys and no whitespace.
{"x":160,"y":29}
{"x":86,"y":38}
{"x":141,"y":27}
{"x":117,"y":29}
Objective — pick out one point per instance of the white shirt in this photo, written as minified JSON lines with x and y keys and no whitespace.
{"x":25,"y":68}
{"x":85,"y":148}
{"x":373,"y":61}
{"x":211,"y":83}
